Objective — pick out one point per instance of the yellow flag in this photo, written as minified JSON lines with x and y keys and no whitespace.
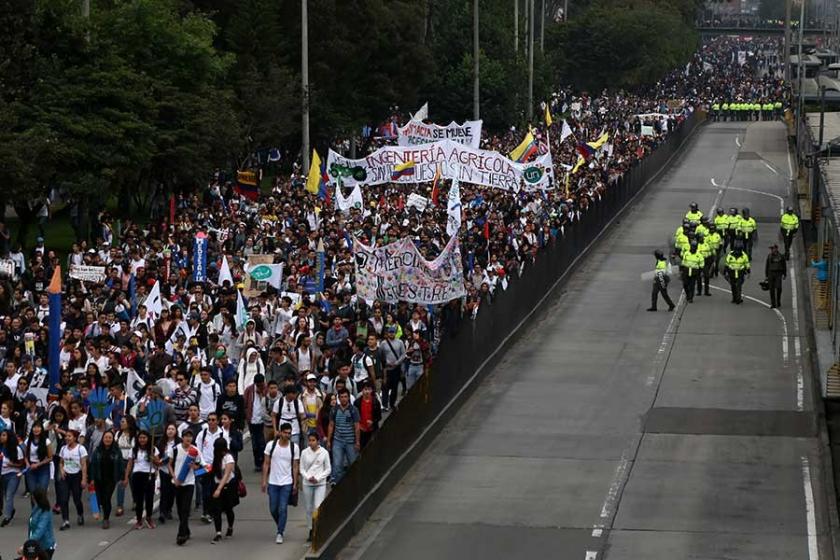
{"x":548,"y":120}
{"x":519,"y":151}
{"x":600,"y":141}
{"x":580,"y":162}
{"x":313,"y":179}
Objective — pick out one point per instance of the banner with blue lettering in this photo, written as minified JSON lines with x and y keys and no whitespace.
{"x":200,"y":257}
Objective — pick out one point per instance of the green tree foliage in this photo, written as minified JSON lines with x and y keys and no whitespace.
{"x":623,"y":43}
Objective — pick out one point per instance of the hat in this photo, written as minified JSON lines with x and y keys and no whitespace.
{"x":31,"y":549}
{"x":311,"y":376}
{"x":30,"y":397}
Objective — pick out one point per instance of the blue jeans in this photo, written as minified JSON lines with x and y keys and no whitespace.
{"x":341,"y":452}
{"x":414,"y":373}
{"x":38,"y":478}
{"x":278,"y":503}
{"x":120,"y":495}
{"x":10,"y":483}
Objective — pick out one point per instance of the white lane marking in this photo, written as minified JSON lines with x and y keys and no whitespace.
{"x":591,"y":555}
{"x":778,"y":316}
{"x":810,"y":512}
{"x":770,"y":167}
{"x":790,"y":166}
{"x":668,"y":337}
{"x":598,"y":531}
{"x":609,"y":502}
{"x":738,"y":141}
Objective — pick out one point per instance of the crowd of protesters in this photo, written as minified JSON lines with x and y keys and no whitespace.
{"x":304,"y":381}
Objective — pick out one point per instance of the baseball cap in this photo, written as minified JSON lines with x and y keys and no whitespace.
{"x":31,"y":549}
{"x":311,"y":376}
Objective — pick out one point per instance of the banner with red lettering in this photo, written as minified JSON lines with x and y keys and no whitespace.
{"x":416,"y":133}
{"x":455,"y":161}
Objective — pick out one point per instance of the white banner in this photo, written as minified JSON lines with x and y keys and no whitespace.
{"x":453,"y":209}
{"x":7,"y":268}
{"x":87,"y":273}
{"x":456,"y":161}
{"x":647,"y":130}
{"x":272,"y":274}
{"x":354,"y":200}
{"x":416,"y":132}
{"x":398,"y":272}
{"x":417,"y":201}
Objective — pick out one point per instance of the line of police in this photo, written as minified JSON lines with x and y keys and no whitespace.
{"x":743,"y":111}
{"x":699,"y":243}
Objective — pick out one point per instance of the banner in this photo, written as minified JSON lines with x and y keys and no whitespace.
{"x":398,"y":272}
{"x":353,"y":201}
{"x":87,"y":273}
{"x":417,"y":201}
{"x":200,"y":257}
{"x":456,"y":161}
{"x":271,"y":274}
{"x":255,"y":286}
{"x":453,"y":209}
{"x":416,"y":132}
{"x":315,"y":281}
{"x":7,"y":268}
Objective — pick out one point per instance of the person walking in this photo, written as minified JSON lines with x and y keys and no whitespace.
{"x":225,"y":496}
{"x":167,"y":488}
{"x":140,"y":472}
{"x":737,"y":268}
{"x":343,"y":435}
{"x":72,"y":471}
{"x":661,"y":279}
{"x":692,"y":262}
{"x":13,"y":463}
{"x":315,"y":469}
{"x":392,"y":350}
{"x":106,"y":469}
{"x":775,"y":270}
{"x":255,"y":414}
{"x":40,"y":521}
{"x":38,"y":456}
{"x":185,"y":460}
{"x":280,"y":476}
{"x":748,"y":231}
{"x":789,"y":226}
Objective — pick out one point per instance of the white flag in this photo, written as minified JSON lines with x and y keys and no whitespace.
{"x":453,"y":209}
{"x":224,"y":273}
{"x":566,"y":132}
{"x":272,"y":274}
{"x":423,"y":113}
{"x":241,"y":310}
{"x":355,"y":199}
{"x":153,"y":303}
{"x":135,"y":387}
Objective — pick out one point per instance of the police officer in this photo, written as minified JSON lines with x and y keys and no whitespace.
{"x":725,"y":108}
{"x":693,"y":214}
{"x":714,"y":241}
{"x":716,"y":111}
{"x":660,"y":282}
{"x":733,"y":221}
{"x":704,"y":249}
{"x":722,"y":224}
{"x":747,"y":230}
{"x":737,"y":268}
{"x":775,"y":270}
{"x":692,"y":263}
{"x":789,"y":225}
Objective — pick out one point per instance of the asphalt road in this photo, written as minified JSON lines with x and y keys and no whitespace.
{"x":610,"y":432}
{"x":254,"y":532}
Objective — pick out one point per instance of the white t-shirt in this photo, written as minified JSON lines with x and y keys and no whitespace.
{"x":180,"y":457}
{"x":286,"y":412}
{"x":142,"y":464}
{"x":73,"y":458}
{"x":205,"y":440}
{"x":79,"y":424}
{"x":7,"y":466}
{"x":33,"y":450}
{"x":360,"y":367}
{"x":257,"y":409}
{"x":280,"y":468}
{"x":226,"y":460}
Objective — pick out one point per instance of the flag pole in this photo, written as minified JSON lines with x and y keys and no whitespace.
{"x":54,"y":295}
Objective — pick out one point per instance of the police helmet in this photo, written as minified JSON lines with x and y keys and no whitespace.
{"x":733,"y":211}
{"x":746,"y":211}
{"x":704,"y":220}
{"x":659,"y":255}
{"x":789,"y":210}
{"x":693,"y":206}
{"x":720,"y":211}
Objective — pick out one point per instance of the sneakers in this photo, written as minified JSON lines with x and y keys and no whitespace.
{"x":180,"y":541}
{"x":216,"y":539}
{"x":206,"y":519}
{"x":162,"y":519}
{"x":6,"y":521}
{"x":120,"y":511}
{"x":229,"y":532}
{"x":650,"y":309}
{"x":150,"y":523}
{"x":138,"y":525}
{"x":106,"y":524}
{"x":64,"y":526}
{"x":80,"y":521}
{"x":279,"y":539}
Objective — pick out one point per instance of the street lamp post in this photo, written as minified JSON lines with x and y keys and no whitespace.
{"x":476,"y":111}
{"x":304,"y":82}
{"x":531,"y":61}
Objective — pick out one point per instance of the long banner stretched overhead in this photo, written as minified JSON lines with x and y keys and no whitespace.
{"x":415,"y":133}
{"x":456,"y":161}
{"x":398,"y":272}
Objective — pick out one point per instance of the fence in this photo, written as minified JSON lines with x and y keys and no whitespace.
{"x":464,"y":359}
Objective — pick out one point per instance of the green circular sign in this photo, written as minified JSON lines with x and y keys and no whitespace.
{"x":260,"y":272}
{"x":533,"y":174}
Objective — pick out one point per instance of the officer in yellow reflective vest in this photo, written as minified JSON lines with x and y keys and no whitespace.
{"x":714,"y":241}
{"x":715,"y":111}
{"x":777,"y":110}
{"x":706,"y":251}
{"x":660,"y":282}
{"x":692,"y":263}
{"x":721,"y":224}
{"x":748,"y":231}
{"x":737,"y":268}
{"x":694,"y":214}
{"x":725,"y":109}
{"x":789,"y":225}
{"x":734,"y":221}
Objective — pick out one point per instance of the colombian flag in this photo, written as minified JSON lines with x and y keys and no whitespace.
{"x":403,"y":170}
{"x":435,"y":189}
{"x":526,"y":149}
{"x":586,"y":151}
{"x":246,"y":184}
